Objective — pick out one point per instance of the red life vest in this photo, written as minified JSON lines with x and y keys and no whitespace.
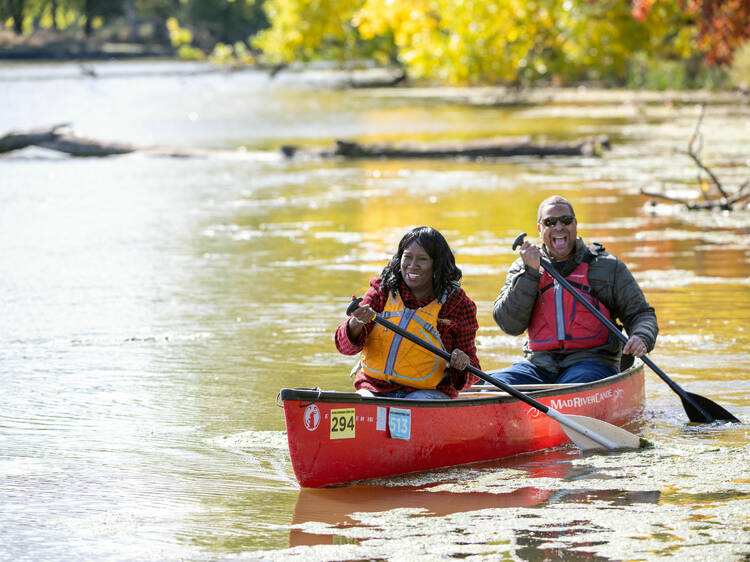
{"x":559,"y":321}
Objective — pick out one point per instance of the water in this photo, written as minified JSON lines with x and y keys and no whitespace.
{"x":153,"y":307}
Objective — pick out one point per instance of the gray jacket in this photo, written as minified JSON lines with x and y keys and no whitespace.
{"x":611,"y":282}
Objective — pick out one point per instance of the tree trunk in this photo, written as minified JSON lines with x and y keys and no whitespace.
{"x":88,"y":11}
{"x":16,"y":9}
{"x":131,"y":15}
{"x":53,"y":9}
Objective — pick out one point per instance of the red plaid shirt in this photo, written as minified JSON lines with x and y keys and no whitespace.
{"x":457,"y":326}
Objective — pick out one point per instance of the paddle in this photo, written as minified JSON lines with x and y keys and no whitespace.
{"x":586,"y":433}
{"x":698,"y":408}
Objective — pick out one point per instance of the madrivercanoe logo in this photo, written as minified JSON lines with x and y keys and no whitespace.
{"x":581,"y":400}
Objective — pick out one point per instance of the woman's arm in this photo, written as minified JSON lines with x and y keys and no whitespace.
{"x":460,"y":333}
{"x":351,"y":334}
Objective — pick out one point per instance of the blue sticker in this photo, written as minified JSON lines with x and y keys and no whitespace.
{"x":399,"y":422}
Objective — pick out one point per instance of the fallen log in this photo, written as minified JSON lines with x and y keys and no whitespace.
{"x":493,"y":148}
{"x":16,"y":140}
{"x":78,"y":146}
{"x":55,"y":139}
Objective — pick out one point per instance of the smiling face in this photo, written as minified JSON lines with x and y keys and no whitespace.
{"x":416,"y":269}
{"x":560,"y":239}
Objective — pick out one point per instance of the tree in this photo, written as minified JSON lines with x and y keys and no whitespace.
{"x":15,"y":10}
{"x":105,"y":9}
{"x":470,"y":41}
{"x":227,"y":20}
{"x":309,"y":29}
{"x":722,"y":25}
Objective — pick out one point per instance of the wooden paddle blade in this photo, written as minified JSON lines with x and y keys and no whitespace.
{"x":621,"y":438}
{"x":711,"y":411}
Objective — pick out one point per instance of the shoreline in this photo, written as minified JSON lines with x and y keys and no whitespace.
{"x":93,"y":62}
{"x":82,"y":51}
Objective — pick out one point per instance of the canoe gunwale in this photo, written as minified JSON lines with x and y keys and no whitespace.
{"x":496,"y":396}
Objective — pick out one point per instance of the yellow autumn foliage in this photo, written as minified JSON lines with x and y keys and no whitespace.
{"x":478,"y":41}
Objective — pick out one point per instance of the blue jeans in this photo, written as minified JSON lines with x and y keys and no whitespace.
{"x":525,"y":372}
{"x":428,"y":394}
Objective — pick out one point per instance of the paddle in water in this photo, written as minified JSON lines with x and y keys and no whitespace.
{"x":586,"y":433}
{"x":698,"y":408}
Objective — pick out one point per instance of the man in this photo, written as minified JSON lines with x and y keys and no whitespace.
{"x":566,"y":342}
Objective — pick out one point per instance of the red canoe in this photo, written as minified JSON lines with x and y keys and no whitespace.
{"x":341,"y":437}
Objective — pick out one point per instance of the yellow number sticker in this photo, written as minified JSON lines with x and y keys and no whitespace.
{"x":342,"y":423}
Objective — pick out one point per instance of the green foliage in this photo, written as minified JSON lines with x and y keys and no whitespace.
{"x":653,"y":73}
{"x":208,"y":21}
{"x":739,"y":72}
{"x":186,"y":52}
{"x":227,"y":20}
{"x":237,"y":54}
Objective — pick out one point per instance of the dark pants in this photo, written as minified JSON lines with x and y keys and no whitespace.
{"x":525,"y":372}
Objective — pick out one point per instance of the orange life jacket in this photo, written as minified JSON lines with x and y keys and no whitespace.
{"x":390,"y":357}
{"x":558,"y":321}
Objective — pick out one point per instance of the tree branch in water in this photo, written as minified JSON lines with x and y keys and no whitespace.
{"x":726,"y":201}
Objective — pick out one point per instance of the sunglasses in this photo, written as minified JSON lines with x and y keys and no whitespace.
{"x":552,"y":221}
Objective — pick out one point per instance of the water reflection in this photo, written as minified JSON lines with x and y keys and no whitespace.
{"x":334,"y":506}
{"x":152,"y":309}
{"x":320,"y":515}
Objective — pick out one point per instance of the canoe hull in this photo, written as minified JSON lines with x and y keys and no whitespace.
{"x":341,"y":437}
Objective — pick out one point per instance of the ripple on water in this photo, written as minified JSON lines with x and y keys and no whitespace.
{"x":265,"y":453}
{"x":667,"y":279}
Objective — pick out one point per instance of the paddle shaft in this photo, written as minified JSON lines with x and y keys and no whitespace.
{"x":554,"y":414}
{"x":549,"y":268}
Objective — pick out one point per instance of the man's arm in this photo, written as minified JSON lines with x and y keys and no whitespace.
{"x":631,"y":307}
{"x":514,"y":305}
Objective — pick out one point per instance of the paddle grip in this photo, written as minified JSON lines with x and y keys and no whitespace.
{"x":519,"y":240}
{"x":354,"y":305}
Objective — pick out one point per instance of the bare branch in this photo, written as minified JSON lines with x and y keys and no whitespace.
{"x":695,"y":153}
{"x":665,"y":197}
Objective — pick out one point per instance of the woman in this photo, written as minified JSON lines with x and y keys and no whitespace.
{"x":418,"y":290}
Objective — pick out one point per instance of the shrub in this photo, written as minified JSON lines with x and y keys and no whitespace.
{"x":739,"y":72}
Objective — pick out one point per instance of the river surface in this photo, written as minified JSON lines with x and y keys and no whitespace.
{"x":153,"y":307}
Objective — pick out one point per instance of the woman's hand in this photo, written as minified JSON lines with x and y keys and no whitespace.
{"x":459,"y":360}
{"x":363,"y":315}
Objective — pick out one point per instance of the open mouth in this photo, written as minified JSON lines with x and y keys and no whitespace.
{"x":559,"y":242}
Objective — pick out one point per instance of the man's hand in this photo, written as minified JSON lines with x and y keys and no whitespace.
{"x":531,"y":255}
{"x":635,"y":347}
